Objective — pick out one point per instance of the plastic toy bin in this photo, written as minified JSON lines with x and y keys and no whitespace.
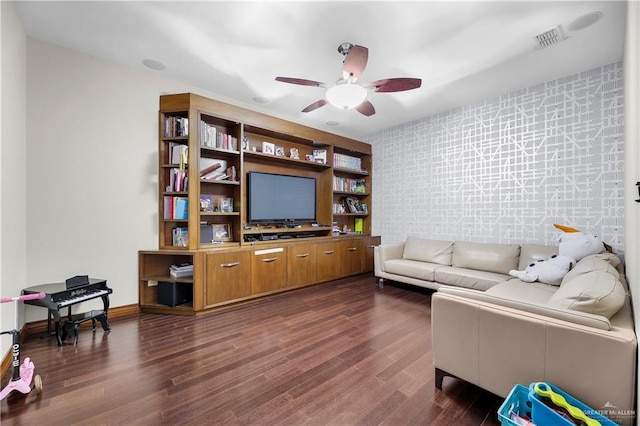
{"x":543,"y":414}
{"x":517,"y":402}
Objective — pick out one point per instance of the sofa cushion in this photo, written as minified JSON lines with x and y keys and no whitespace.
{"x":411,"y":268}
{"x":468,"y":278}
{"x":424,"y":250}
{"x":530,"y":253}
{"x":515,"y":289}
{"x":593,"y":286}
{"x":499,"y":258}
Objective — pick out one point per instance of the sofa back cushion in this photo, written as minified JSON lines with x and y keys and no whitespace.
{"x":592,"y":286}
{"x":424,"y":250}
{"x":530,"y":253}
{"x":500,"y":258}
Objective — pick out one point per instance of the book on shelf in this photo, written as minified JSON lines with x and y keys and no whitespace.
{"x":208,"y":134}
{"x":349,"y":185}
{"x":181,"y":270}
{"x":211,"y":168}
{"x":176,"y":126}
{"x":178,"y":180}
{"x":354,"y":205}
{"x":347,"y":162}
{"x":181,"y":237}
{"x":179,"y":154}
{"x":358,"y":226}
{"x":176,"y":207}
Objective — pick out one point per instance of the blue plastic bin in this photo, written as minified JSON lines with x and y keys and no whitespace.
{"x":517,"y":402}
{"x":542,"y":414}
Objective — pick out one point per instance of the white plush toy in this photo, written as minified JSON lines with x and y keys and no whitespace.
{"x":572,"y":247}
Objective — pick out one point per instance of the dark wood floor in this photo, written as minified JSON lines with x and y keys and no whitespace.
{"x":341,"y":353}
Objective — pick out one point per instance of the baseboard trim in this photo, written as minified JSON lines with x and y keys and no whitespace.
{"x":40,"y":327}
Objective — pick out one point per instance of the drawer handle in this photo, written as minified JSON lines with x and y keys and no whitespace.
{"x":270,"y":259}
{"x":229,"y":265}
{"x":329,"y":252}
{"x":352,"y":248}
{"x":302,"y":255}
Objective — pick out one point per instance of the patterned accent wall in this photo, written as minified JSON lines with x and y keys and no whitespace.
{"x":506,"y":169}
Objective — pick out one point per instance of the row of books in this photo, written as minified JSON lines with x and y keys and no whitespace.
{"x":178,"y":180}
{"x":181,"y":270}
{"x":349,"y":185}
{"x":176,"y":207}
{"x":175,"y":126}
{"x":347,"y":162}
{"x":212,"y":138}
{"x":181,"y":237}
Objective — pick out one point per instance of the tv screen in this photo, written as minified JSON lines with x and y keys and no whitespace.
{"x":280,"y":198}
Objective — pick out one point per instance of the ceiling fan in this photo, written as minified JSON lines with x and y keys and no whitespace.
{"x":347,"y":92}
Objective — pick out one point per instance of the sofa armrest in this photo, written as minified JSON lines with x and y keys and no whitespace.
{"x":385,"y":252}
{"x":495,"y":346}
{"x":575,"y":317}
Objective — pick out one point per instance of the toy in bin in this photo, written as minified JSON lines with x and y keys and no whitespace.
{"x":516,"y":409}
{"x":552,"y":406}
{"x":22,"y":374}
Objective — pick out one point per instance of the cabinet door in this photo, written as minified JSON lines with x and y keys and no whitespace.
{"x":368,"y":245}
{"x":268,"y":270}
{"x":228,"y":277}
{"x":328,"y":261}
{"x":301,"y":264}
{"x":352,"y":256}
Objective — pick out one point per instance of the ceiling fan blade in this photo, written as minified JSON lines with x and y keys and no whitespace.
{"x":315,"y":105}
{"x":355,"y":62}
{"x":366,"y":108}
{"x":394,"y":84}
{"x":300,"y":81}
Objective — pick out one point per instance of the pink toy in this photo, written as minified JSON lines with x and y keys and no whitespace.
{"x":22,"y":373}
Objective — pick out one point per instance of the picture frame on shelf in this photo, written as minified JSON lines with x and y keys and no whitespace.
{"x":293,"y":153}
{"x":279,"y":151}
{"x":206,"y":203}
{"x":221,"y":231}
{"x":268,"y":148}
{"x":320,"y":156}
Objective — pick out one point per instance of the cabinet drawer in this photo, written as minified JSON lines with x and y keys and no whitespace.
{"x":269,"y":270}
{"x":228,"y":277}
{"x":301,"y":265}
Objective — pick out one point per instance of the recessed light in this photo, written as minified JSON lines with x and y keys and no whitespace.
{"x":332,"y":123}
{"x":154,"y":65}
{"x":584,"y":21}
{"x":260,"y":100}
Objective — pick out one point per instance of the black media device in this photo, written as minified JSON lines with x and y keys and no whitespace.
{"x":174,"y":294}
{"x":276,"y":198}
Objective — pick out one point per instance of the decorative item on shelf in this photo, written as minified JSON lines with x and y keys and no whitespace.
{"x":320,"y":156}
{"x":206,"y":203}
{"x":293,"y":153}
{"x":221,"y":232}
{"x":226,"y":205}
{"x":336,"y":229}
{"x":180,"y":237}
{"x":354,"y":205}
{"x":279,"y":150}
{"x":268,"y":148}
{"x":358,"y":225}
{"x":245,"y":143}
{"x":308,"y":157}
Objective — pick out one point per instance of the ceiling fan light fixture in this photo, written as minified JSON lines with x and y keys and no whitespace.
{"x":346,"y":95}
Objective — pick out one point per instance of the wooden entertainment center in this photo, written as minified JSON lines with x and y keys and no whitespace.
{"x":206,"y":150}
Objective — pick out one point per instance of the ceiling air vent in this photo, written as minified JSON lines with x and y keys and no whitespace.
{"x":549,"y":38}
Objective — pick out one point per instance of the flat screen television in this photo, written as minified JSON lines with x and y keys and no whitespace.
{"x":276,"y":198}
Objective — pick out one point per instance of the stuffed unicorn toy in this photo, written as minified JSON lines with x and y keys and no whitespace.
{"x":572,"y":247}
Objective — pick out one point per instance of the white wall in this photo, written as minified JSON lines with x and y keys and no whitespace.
{"x":92,"y":143}
{"x":13,"y":53}
{"x":632,"y":156}
{"x":506,"y":169}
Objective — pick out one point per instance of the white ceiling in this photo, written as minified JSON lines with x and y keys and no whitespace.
{"x":464,"y":52}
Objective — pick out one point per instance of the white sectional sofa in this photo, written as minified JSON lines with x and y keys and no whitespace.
{"x":495,"y":331}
